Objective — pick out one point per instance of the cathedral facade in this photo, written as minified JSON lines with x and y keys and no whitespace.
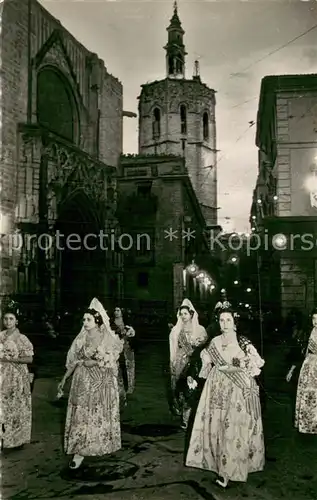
{"x":61,"y":139}
{"x":177,"y":116}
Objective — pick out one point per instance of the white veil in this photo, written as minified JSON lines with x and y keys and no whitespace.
{"x":113,"y":341}
{"x":198,"y":332}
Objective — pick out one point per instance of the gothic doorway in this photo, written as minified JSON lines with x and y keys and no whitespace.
{"x":81,"y":261}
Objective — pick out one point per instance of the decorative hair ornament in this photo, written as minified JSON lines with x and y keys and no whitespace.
{"x":14,"y":307}
{"x":222,"y":305}
{"x":187,"y":303}
{"x":225,"y":305}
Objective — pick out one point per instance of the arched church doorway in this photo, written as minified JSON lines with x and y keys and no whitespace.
{"x":81,"y":269}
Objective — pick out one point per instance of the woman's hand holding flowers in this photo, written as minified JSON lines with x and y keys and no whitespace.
{"x":192,"y":384}
{"x":90,"y":362}
{"x":60,"y":389}
{"x":129,"y":331}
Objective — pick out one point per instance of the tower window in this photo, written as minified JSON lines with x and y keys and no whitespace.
{"x":179,"y":64}
{"x":156,"y":124}
{"x":183,"y":113}
{"x":171,"y":65}
{"x":205,"y":126}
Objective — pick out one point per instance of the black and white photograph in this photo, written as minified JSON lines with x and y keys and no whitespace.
{"x":158,"y":249}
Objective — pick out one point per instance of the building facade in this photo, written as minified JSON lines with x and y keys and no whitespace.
{"x":61,"y":139}
{"x":157,"y":204}
{"x":177,"y":116}
{"x":284,"y":208}
{"x":239,"y":270}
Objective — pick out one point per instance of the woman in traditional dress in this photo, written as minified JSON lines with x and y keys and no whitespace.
{"x":227,"y":435}
{"x":306,"y":400}
{"x":93,"y":416}
{"x":16,"y":353}
{"x":185,"y":337}
{"x":296,"y":354}
{"x":127,"y":358}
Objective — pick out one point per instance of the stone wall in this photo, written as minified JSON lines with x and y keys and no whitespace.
{"x":168,"y":215}
{"x":297,"y":284}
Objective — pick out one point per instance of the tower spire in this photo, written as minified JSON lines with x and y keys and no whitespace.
{"x":175,"y":48}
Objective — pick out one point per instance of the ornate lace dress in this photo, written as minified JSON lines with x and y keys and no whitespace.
{"x":15,"y":390}
{"x":306,"y":398}
{"x":227,"y":436}
{"x":93,"y":416}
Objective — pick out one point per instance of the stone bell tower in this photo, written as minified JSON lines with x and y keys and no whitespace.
{"x":177,"y":116}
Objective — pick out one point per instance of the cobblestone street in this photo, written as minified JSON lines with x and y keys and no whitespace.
{"x":150,"y":464}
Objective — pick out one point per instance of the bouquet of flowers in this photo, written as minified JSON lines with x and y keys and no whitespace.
{"x":129,"y":332}
{"x":101,"y":357}
{"x":8,"y":350}
{"x":241,"y":362}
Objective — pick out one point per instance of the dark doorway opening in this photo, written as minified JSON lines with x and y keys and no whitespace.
{"x":81,"y":258}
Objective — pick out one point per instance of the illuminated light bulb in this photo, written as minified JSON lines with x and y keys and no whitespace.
{"x":279,"y":241}
{"x":275,"y":197}
{"x":253,"y":217}
{"x":259,"y":201}
{"x":234,"y":259}
{"x":212,"y":287}
{"x":236,"y":282}
{"x":192,"y":268}
{"x":247,"y":305}
{"x":249,"y":290}
{"x":311,"y":183}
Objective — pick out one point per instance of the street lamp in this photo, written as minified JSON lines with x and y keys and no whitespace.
{"x":192,"y":268}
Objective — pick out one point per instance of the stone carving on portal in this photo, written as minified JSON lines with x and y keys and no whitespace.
{"x":69,"y":170}
{"x":26,"y":208}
